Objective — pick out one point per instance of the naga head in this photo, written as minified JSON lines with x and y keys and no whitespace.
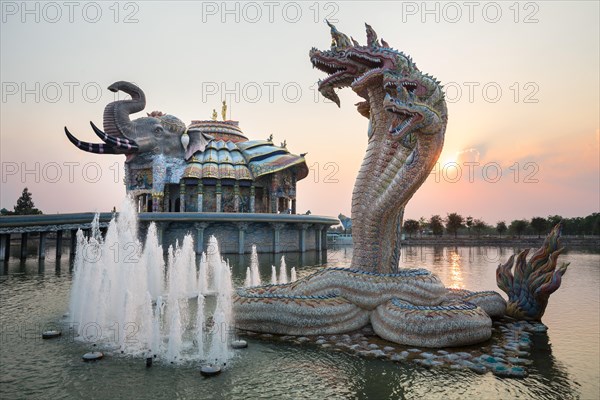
{"x":157,"y":133}
{"x":349,"y":64}
{"x":415,"y":102}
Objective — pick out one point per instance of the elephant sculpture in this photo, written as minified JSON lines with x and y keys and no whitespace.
{"x":156,"y":134}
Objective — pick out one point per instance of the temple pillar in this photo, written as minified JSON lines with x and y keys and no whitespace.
{"x":242,"y":228}
{"x":59,"y":244}
{"x":4,"y":246}
{"x":166,"y":199}
{"x":200,"y":227}
{"x":218,"y":196}
{"x":252,"y":199}
{"x":24,"y":237}
{"x":157,"y":201}
{"x":236,"y":197}
{"x":182,"y":196}
{"x":265,"y":200}
{"x":277,"y":227}
{"x":293,"y":206}
{"x":200,"y":193}
{"x":273,"y":203}
{"x":42,"y":246}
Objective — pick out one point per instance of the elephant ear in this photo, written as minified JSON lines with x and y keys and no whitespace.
{"x":198,"y":142}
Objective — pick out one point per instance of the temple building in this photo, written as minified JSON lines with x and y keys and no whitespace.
{"x":232,"y":174}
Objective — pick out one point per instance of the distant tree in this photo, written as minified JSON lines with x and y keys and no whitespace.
{"x":454,"y":222}
{"x":591,"y":224}
{"x":554,"y":219}
{"x":518,"y":226}
{"x":436,"y":225}
{"x":423,"y":224}
{"x":501,"y":227}
{"x":469,"y":223}
{"x":25,"y":204}
{"x":539,"y":225}
{"x":479,"y":226}
{"x":411,"y":226}
{"x":4,"y":211}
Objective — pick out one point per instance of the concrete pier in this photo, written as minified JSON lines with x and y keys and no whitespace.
{"x":42,"y":246}
{"x":24,"y":238}
{"x":59,"y":244}
{"x":4,"y":247}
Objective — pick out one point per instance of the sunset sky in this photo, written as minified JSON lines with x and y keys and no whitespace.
{"x":522,"y":86}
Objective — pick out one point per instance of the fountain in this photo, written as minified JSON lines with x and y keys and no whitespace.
{"x":252,"y":272}
{"x":253,"y":275}
{"x":120,"y":298}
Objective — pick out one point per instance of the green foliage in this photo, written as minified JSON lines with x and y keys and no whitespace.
{"x":518,"y":226}
{"x":25,"y":204}
{"x":411,"y":226}
{"x":501,"y":227}
{"x":539,"y":225}
{"x":479,"y":226}
{"x":436,"y":225}
{"x":454,"y":222}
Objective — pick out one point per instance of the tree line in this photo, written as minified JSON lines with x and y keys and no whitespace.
{"x":455,"y":223}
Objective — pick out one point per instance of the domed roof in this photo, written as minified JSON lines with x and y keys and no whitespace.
{"x":225,"y":130}
{"x":242,"y":161}
{"x":230,"y":155}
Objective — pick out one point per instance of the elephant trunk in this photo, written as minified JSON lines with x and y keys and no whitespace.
{"x":116,"y":114}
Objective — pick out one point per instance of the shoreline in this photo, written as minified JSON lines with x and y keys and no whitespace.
{"x":592,"y":242}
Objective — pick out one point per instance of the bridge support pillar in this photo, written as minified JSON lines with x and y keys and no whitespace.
{"x":42,"y":246}
{"x":24,"y":238}
{"x":200,"y":227}
{"x":318,"y":239}
{"x":73,"y":242}
{"x":59,"y":243}
{"x":242,"y":227}
{"x":4,"y":247}
{"x":277,"y":227}
{"x":302,"y":237}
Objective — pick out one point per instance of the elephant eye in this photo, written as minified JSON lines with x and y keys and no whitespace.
{"x":158,"y":130}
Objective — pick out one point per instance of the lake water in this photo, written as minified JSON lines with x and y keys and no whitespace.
{"x":566,"y":360}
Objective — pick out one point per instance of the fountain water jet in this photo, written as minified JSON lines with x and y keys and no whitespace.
{"x":252,"y":272}
{"x":283,"y":271}
{"x":120,"y":298}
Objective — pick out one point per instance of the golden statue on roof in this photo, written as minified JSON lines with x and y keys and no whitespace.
{"x":224,"y":111}
{"x":214,"y":115}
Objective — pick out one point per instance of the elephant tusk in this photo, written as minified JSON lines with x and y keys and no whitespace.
{"x":96,"y":148}
{"x":122,"y":143}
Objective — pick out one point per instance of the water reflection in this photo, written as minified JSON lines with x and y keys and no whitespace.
{"x":456,"y":280}
{"x":565,"y":360}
